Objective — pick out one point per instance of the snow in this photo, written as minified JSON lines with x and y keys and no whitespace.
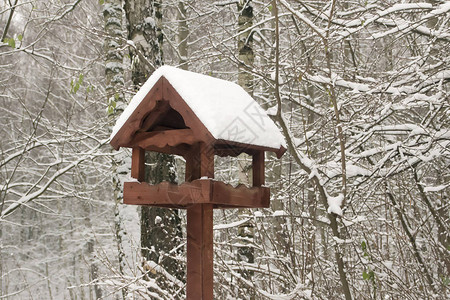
{"x":272,"y":111}
{"x":130,"y":235}
{"x":258,"y":214}
{"x":434,"y":188}
{"x":231,"y":225}
{"x":332,"y":169}
{"x":353,"y":221}
{"x":334,"y":204}
{"x":280,"y":213}
{"x":304,"y":19}
{"x":226,"y":110}
{"x":342,"y":241}
{"x":158,"y":219}
{"x":443,"y":8}
{"x":150,"y":21}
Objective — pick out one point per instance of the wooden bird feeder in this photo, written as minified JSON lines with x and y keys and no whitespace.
{"x":197,"y":117}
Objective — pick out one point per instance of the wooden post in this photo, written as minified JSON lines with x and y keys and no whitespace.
{"x":200,"y":231}
{"x":138,"y":164}
{"x":258,"y":168}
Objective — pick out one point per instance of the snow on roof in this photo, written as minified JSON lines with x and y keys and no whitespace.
{"x":225,"y":108}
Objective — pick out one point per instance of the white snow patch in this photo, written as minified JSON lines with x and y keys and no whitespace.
{"x":258,"y":214}
{"x":272,"y":111}
{"x":435,"y":188}
{"x":353,"y":221}
{"x":354,"y":170}
{"x":150,"y":21}
{"x":334,"y":204}
{"x":342,"y":241}
{"x":230,"y":225}
{"x":279,"y":213}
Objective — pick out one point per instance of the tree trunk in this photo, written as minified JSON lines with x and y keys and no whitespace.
{"x":160,"y":228}
{"x":183,"y":32}
{"x":125,"y":215}
{"x":245,"y":252}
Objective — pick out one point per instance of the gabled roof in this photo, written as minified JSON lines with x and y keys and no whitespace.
{"x":220,"y":109}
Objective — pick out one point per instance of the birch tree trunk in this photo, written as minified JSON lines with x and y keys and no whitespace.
{"x":245,"y":251}
{"x":160,"y":227}
{"x":126,"y":216}
{"x":183,"y":32}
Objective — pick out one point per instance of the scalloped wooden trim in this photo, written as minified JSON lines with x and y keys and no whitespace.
{"x":200,"y":191}
{"x":163,"y":138}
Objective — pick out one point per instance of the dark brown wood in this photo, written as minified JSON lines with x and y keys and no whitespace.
{"x":134,"y":122}
{"x":181,"y":150}
{"x":200,"y":252}
{"x":193,"y":164}
{"x":199,"y":283}
{"x":206,"y":160}
{"x":240,"y":196}
{"x":250,"y":148}
{"x":163,"y":138}
{"x":173,"y":120}
{"x":190,"y":119}
{"x":155,"y":116}
{"x":258,"y":168}
{"x":138,"y":164}
{"x":203,"y":191}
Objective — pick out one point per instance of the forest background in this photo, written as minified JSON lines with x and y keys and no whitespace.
{"x":360,"y":90}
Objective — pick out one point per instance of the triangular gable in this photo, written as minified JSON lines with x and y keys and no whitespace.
{"x":150,"y":112}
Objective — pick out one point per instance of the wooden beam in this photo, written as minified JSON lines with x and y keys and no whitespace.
{"x":182,"y":150}
{"x":163,"y":138}
{"x":203,"y":191}
{"x":258,"y":168}
{"x":199,"y":229}
{"x":206,"y":160}
{"x":223,"y":194}
{"x":200,"y":252}
{"x":247,"y":148}
{"x":192,"y":164}
{"x":138,"y":163}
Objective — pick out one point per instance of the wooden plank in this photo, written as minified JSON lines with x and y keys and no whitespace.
{"x":226,"y":195}
{"x":163,"y":138}
{"x":246,"y":148}
{"x":200,"y":252}
{"x":167,"y":194}
{"x":200,"y":230}
{"x":192,"y":164}
{"x":224,"y":150}
{"x":203,"y":191}
{"x":182,"y":150}
{"x":206,"y":160}
{"x":258,"y":168}
{"x":138,"y":163}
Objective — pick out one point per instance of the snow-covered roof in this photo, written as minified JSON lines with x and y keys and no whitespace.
{"x":226,"y":110}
